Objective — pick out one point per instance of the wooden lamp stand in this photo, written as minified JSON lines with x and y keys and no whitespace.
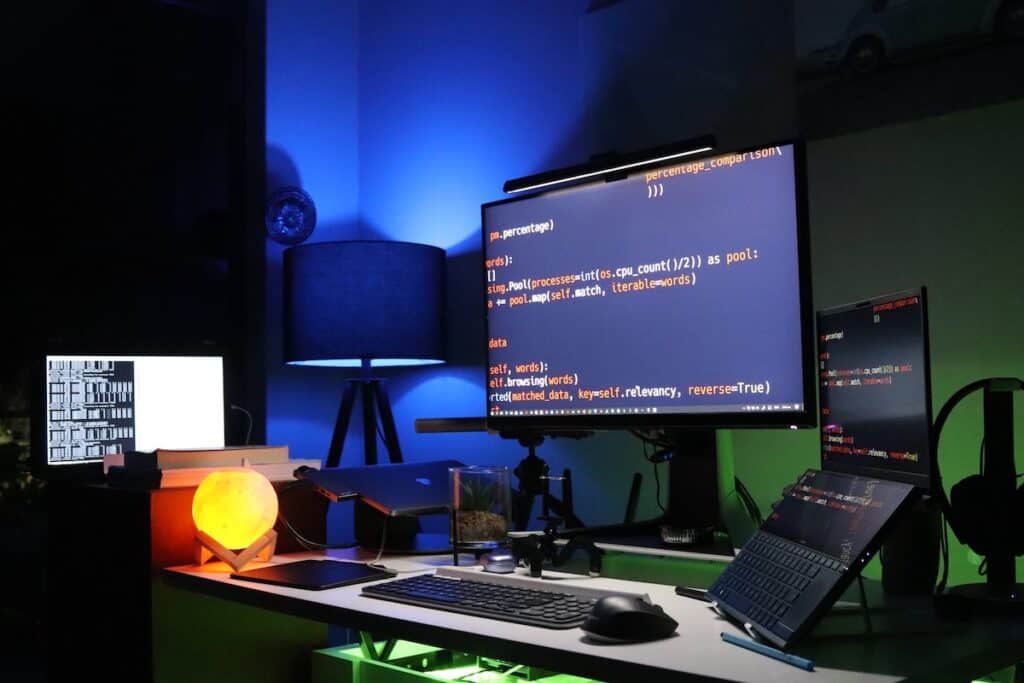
{"x":261,"y":549}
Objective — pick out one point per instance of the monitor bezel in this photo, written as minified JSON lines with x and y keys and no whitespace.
{"x":924,"y":482}
{"x":804,"y":418}
{"x":91,"y":472}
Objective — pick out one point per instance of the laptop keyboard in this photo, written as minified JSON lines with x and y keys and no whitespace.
{"x":768,"y":577}
{"x":548,"y":609}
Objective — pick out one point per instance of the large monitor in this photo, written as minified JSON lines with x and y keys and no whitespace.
{"x":675,"y":296}
{"x":875,"y":388}
{"x":94,"y":405}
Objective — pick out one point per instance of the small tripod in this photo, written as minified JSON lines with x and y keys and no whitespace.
{"x":537,"y":548}
{"x":534,"y":480}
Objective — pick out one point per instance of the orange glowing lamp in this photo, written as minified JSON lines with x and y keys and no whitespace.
{"x":234,"y":511}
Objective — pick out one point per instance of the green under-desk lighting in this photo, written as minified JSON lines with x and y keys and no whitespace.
{"x":410,"y":662}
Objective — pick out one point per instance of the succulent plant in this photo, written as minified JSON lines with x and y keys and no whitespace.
{"x":477,"y":494}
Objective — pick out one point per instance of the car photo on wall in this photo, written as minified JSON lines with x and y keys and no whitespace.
{"x":862,"y":37}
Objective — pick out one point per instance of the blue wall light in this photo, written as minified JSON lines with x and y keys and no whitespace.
{"x":364,"y":304}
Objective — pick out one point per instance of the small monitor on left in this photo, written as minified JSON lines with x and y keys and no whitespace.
{"x":95,"y":405}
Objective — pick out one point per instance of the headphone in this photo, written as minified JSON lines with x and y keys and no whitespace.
{"x":969,"y":508}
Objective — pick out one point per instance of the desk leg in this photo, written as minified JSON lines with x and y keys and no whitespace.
{"x":369,"y":647}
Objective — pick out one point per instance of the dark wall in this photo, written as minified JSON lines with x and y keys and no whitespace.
{"x":131,"y":187}
{"x":456,"y":97}
{"x":126,"y":135}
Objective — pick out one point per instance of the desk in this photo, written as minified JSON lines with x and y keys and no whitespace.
{"x":935,"y":650}
{"x":107,"y":547}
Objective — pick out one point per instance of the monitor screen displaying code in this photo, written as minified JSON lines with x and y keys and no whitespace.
{"x":875,"y":389}
{"x":672,"y":291}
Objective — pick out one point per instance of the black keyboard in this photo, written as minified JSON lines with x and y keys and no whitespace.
{"x":769,"y":577}
{"x":546,"y":608}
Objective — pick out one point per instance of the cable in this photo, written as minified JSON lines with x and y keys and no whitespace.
{"x":248,"y":431}
{"x":944,"y":551}
{"x":654,"y":438}
{"x":383,"y":540}
{"x":306,"y":543}
{"x":377,"y":564}
{"x":748,"y":502}
{"x":657,"y":487}
{"x":654,"y":465}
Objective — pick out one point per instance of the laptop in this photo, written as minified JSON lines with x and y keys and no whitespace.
{"x":811,"y":548}
{"x":418,"y":488}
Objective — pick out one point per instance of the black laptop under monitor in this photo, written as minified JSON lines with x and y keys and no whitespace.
{"x":808,"y":552}
{"x":389,"y":500}
{"x":415,"y":488}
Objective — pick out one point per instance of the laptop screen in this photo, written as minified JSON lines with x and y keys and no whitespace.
{"x":836,"y":514}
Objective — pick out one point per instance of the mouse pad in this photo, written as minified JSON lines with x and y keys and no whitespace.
{"x":314,"y":574}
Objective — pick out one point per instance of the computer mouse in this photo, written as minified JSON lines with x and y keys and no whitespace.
{"x":627,"y":619}
{"x":499,"y":562}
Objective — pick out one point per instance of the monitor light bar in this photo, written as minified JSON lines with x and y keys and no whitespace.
{"x":611,"y":165}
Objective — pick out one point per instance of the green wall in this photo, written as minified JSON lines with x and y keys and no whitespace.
{"x":937,"y":202}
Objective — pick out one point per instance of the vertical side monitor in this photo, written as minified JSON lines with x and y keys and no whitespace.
{"x":875,"y":387}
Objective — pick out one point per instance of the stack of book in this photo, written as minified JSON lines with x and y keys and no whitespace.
{"x":170,"y":468}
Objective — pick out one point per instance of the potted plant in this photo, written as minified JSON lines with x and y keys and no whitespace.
{"x":480,"y":506}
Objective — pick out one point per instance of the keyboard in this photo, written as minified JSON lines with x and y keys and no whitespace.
{"x":775,"y":583}
{"x":547,"y":607}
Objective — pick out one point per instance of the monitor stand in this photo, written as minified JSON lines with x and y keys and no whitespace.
{"x":696,"y":473}
{"x":701,"y":486}
{"x":911,"y":550}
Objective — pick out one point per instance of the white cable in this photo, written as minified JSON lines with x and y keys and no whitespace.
{"x":248,"y":432}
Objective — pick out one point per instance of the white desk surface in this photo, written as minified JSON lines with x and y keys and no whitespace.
{"x":935,"y":650}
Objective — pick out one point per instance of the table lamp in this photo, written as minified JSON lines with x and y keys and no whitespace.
{"x":364,"y":304}
{"x":234,"y":511}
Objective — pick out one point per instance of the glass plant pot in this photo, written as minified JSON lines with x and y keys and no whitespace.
{"x":481,"y":509}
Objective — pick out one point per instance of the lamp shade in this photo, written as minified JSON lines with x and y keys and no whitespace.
{"x":378,"y":301}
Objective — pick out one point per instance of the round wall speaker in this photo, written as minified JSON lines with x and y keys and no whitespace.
{"x":291,"y":215}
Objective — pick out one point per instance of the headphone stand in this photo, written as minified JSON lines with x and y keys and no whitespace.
{"x":1001,"y":594}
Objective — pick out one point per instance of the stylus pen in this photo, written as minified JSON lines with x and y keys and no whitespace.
{"x":695,"y":593}
{"x":769,"y":651}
